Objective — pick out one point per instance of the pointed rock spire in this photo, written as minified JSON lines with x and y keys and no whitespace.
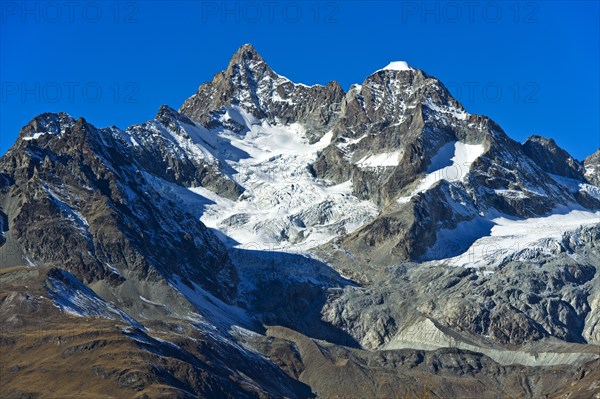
{"x":249,"y":83}
{"x":244,"y":54}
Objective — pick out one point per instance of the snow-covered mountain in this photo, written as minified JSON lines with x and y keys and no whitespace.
{"x":266,"y":215}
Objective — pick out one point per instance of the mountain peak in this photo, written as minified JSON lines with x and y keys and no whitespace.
{"x":168,"y":116}
{"x":594,"y":156}
{"x":397,"y":66}
{"x":250,"y":83}
{"x":48,"y":122}
{"x":552,"y":158}
{"x":244,"y":54}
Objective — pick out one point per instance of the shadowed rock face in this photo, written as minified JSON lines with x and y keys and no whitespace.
{"x":79,"y":199}
{"x":167,"y":155}
{"x":116,"y":359}
{"x":551,"y":158}
{"x":111,"y":220}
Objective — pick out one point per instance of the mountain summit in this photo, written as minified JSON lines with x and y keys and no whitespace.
{"x":398,"y":66}
{"x":250,"y":83}
{"x":244,"y":54}
{"x":271,"y":239}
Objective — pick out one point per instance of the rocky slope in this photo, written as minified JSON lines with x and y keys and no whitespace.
{"x":592,"y":163}
{"x":81,"y":198}
{"x":272,"y":239}
{"x":442,"y":166}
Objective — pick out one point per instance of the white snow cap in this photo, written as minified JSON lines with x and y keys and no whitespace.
{"x":397,"y":66}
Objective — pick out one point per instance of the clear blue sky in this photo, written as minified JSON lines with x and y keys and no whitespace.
{"x":531,"y":66}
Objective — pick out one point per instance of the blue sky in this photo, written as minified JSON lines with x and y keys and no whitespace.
{"x":533,"y":67}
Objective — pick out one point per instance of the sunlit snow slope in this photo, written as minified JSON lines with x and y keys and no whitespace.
{"x":451,"y":163}
{"x":283,"y":204}
{"x":488,"y":242}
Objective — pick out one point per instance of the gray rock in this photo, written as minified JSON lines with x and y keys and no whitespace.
{"x":250,"y":83}
{"x":551,"y":158}
{"x":592,"y":168}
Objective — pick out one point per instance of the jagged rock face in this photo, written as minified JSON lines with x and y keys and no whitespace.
{"x":387,"y":135}
{"x":398,"y":138}
{"x":501,"y":179}
{"x":251,"y":84}
{"x":592,"y":168}
{"x":409,"y":116}
{"x":547,"y":290}
{"x":551,"y":158}
{"x":81,"y":198}
{"x":409,"y":232}
{"x":165,"y":147}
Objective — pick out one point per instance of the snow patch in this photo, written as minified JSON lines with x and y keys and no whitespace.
{"x":211,"y":308}
{"x":71,"y":214}
{"x":575,"y":185}
{"x":397,"y":66}
{"x":512,"y":194}
{"x":451,"y":163}
{"x":447,"y":110}
{"x":35,"y":136}
{"x":113,"y":269}
{"x":73,"y":297}
{"x":148,"y":301}
{"x":348,"y":142}
{"x":385,"y":159}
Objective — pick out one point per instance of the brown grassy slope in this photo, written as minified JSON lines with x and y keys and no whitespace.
{"x":45,"y":353}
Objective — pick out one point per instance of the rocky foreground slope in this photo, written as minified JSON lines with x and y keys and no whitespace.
{"x":272,"y":239}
